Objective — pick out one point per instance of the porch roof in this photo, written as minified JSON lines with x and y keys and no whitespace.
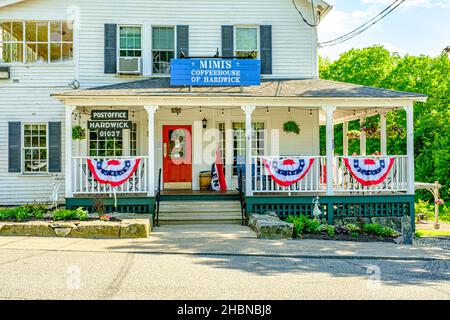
{"x":279,"y":88}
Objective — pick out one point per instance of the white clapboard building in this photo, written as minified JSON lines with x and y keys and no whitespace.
{"x":145,"y":92}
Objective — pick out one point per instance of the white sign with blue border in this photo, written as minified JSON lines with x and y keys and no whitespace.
{"x":215,"y":72}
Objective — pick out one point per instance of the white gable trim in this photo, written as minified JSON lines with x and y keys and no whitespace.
{"x":5,"y":3}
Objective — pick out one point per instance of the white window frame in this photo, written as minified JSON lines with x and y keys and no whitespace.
{"x":249,"y":26}
{"x":118,"y":38}
{"x":244,"y":139}
{"x":135,"y":129}
{"x":24,"y":172}
{"x":152,"y":49}
{"x":49,"y":42}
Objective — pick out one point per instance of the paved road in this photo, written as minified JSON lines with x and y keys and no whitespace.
{"x":47,"y":274}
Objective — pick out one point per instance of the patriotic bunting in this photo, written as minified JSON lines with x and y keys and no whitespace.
{"x":369,"y":172}
{"x":287,"y":171}
{"x":113,"y":172}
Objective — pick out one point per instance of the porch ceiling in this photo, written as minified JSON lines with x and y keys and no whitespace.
{"x":352,"y":101}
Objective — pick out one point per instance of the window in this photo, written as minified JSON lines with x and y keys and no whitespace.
{"x":107,"y":147}
{"x":133,"y":139}
{"x":239,"y":142}
{"x":221,"y":141}
{"x":130,"y":44}
{"x":104,"y":147}
{"x":35,"y":148}
{"x":246,"y":42}
{"x":163,"y":39}
{"x":36,"y":41}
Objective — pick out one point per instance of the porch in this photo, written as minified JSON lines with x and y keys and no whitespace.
{"x":246,"y":125}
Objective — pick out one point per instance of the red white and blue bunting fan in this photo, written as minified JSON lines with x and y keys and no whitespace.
{"x":113,"y":172}
{"x":287,"y":171}
{"x":369,"y":172}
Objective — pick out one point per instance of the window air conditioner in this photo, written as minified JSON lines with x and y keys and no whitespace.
{"x":130,"y":65}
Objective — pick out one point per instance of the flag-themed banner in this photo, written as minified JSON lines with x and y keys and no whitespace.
{"x":369,"y":172}
{"x":113,"y":172}
{"x":287,"y":171}
{"x":218,"y":182}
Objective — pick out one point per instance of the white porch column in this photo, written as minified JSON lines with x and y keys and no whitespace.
{"x":151,"y":149}
{"x":362,"y":140}
{"x":410,"y":145}
{"x":248,"y":110}
{"x":330,"y":148}
{"x":383,"y":138}
{"x":345,"y":138}
{"x":68,"y":126}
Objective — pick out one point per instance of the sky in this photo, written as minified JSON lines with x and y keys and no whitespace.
{"x":416,"y":27}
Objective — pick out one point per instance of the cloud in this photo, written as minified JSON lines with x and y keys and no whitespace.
{"x":444,"y":4}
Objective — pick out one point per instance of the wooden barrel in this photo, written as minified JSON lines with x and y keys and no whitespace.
{"x":205,"y":180}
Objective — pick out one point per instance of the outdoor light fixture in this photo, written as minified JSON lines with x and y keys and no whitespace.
{"x":4,"y":73}
{"x":204,"y":122}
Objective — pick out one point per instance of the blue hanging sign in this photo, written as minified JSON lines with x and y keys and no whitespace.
{"x":215,"y":72}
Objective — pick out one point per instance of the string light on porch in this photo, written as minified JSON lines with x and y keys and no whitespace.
{"x":223,"y":114}
{"x":289,"y":110}
{"x":200,"y":109}
{"x":267,"y":109}
{"x":310,"y":112}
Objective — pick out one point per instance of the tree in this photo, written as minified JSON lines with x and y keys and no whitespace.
{"x":375,"y":66}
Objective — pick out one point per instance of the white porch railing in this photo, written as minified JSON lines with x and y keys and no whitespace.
{"x":396,"y":180}
{"x":343,"y":181}
{"x":84,"y":183}
{"x":314,"y":181}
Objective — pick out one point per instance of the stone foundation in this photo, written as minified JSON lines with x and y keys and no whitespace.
{"x":132,"y":228}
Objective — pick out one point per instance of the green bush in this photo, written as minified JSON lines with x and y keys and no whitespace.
{"x":18,"y":213}
{"x":378,"y":230}
{"x":303,"y":224}
{"x":352,"y":228}
{"x":64,"y":214}
{"x":36,"y":210}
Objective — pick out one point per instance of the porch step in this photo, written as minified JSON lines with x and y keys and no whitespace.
{"x":199,"y":212}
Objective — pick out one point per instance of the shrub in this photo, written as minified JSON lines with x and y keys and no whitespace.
{"x":18,"y":213}
{"x":64,"y":214}
{"x":303,"y":224}
{"x":312,"y":226}
{"x":36,"y":210}
{"x":331,"y":230}
{"x":372,"y":228}
{"x":377,"y":229}
{"x":7,"y":214}
{"x":352,"y":228}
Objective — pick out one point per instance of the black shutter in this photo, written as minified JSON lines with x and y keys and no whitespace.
{"x":110,"y":48}
{"x":182,"y":40}
{"x":266,"y":49}
{"x":14,"y":147}
{"x":54,"y":147}
{"x":227,"y":41}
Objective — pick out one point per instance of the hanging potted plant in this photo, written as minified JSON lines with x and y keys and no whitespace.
{"x":353,"y":134}
{"x":371,"y":127}
{"x":78,"y":133}
{"x":291,"y":127}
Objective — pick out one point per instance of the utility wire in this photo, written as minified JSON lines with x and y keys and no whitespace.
{"x":394,"y":5}
{"x":312,"y":25}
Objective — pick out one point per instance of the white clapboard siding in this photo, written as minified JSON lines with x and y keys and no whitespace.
{"x":26,"y":96}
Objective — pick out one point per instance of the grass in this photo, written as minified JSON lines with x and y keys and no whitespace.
{"x":432,"y":233}
{"x":427,"y":208}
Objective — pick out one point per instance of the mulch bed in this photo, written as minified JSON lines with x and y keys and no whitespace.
{"x":346,"y":237}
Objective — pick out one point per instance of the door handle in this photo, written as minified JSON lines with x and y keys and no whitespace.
{"x":165,"y":150}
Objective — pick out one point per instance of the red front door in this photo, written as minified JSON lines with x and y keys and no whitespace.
{"x":177,"y":157}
